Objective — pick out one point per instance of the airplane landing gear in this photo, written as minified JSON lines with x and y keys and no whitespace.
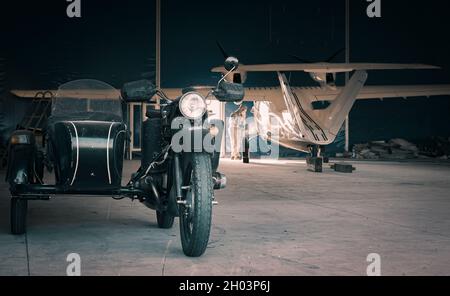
{"x":315,"y":160}
{"x":246,"y":154}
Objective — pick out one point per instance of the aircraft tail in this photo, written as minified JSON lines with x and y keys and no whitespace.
{"x":321,"y":126}
{"x":340,"y":107}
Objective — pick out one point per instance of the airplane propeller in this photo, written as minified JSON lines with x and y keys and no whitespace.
{"x":327,"y":79}
{"x":222,"y":50}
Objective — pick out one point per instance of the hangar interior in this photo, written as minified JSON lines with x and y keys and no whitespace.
{"x":383,"y":188}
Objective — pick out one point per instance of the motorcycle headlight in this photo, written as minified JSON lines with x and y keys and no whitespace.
{"x":192,"y":105}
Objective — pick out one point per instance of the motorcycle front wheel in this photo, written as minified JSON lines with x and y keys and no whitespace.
{"x":196,"y":211}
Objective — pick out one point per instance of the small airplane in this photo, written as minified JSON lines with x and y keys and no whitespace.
{"x":308,"y":118}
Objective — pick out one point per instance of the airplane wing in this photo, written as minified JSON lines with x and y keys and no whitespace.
{"x":381,"y":92}
{"x":367,"y":93}
{"x":319,"y":93}
{"x":325,"y":67}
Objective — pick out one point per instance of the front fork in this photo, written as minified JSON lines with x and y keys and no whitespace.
{"x":178,"y":176}
{"x":219,"y":180}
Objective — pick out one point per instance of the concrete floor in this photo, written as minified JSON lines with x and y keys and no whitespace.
{"x":273,"y":219}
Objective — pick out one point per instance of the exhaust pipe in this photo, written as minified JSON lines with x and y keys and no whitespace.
{"x":153,"y":200}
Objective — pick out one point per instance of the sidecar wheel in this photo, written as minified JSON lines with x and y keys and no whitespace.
{"x":19,"y":209}
{"x":165,"y":220}
{"x":195,"y":215}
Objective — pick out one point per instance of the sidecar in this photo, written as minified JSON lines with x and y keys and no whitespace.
{"x":86,"y":137}
{"x":84,"y":144}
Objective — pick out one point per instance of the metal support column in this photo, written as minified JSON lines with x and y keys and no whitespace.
{"x":347,"y":60}
{"x":158,"y":49}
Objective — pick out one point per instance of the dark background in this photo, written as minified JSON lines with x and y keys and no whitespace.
{"x":114,"y":41}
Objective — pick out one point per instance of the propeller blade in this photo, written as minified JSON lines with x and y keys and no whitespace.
{"x":301,"y":60}
{"x":222,"y":50}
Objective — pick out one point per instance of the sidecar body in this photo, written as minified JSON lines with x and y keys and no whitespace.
{"x":86,"y":137}
{"x":85,"y":142}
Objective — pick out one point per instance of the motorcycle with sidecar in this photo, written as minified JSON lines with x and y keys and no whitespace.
{"x":85,"y":143}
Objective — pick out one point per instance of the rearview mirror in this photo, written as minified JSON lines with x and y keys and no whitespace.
{"x":231,"y":63}
{"x":229,"y":92}
{"x":138,"y":91}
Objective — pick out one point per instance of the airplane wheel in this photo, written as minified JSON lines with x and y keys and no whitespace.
{"x":19,"y":209}
{"x":165,"y":220}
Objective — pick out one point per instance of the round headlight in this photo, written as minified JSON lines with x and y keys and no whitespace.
{"x":192,"y":105}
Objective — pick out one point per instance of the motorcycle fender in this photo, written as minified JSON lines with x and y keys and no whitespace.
{"x":21,"y":158}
